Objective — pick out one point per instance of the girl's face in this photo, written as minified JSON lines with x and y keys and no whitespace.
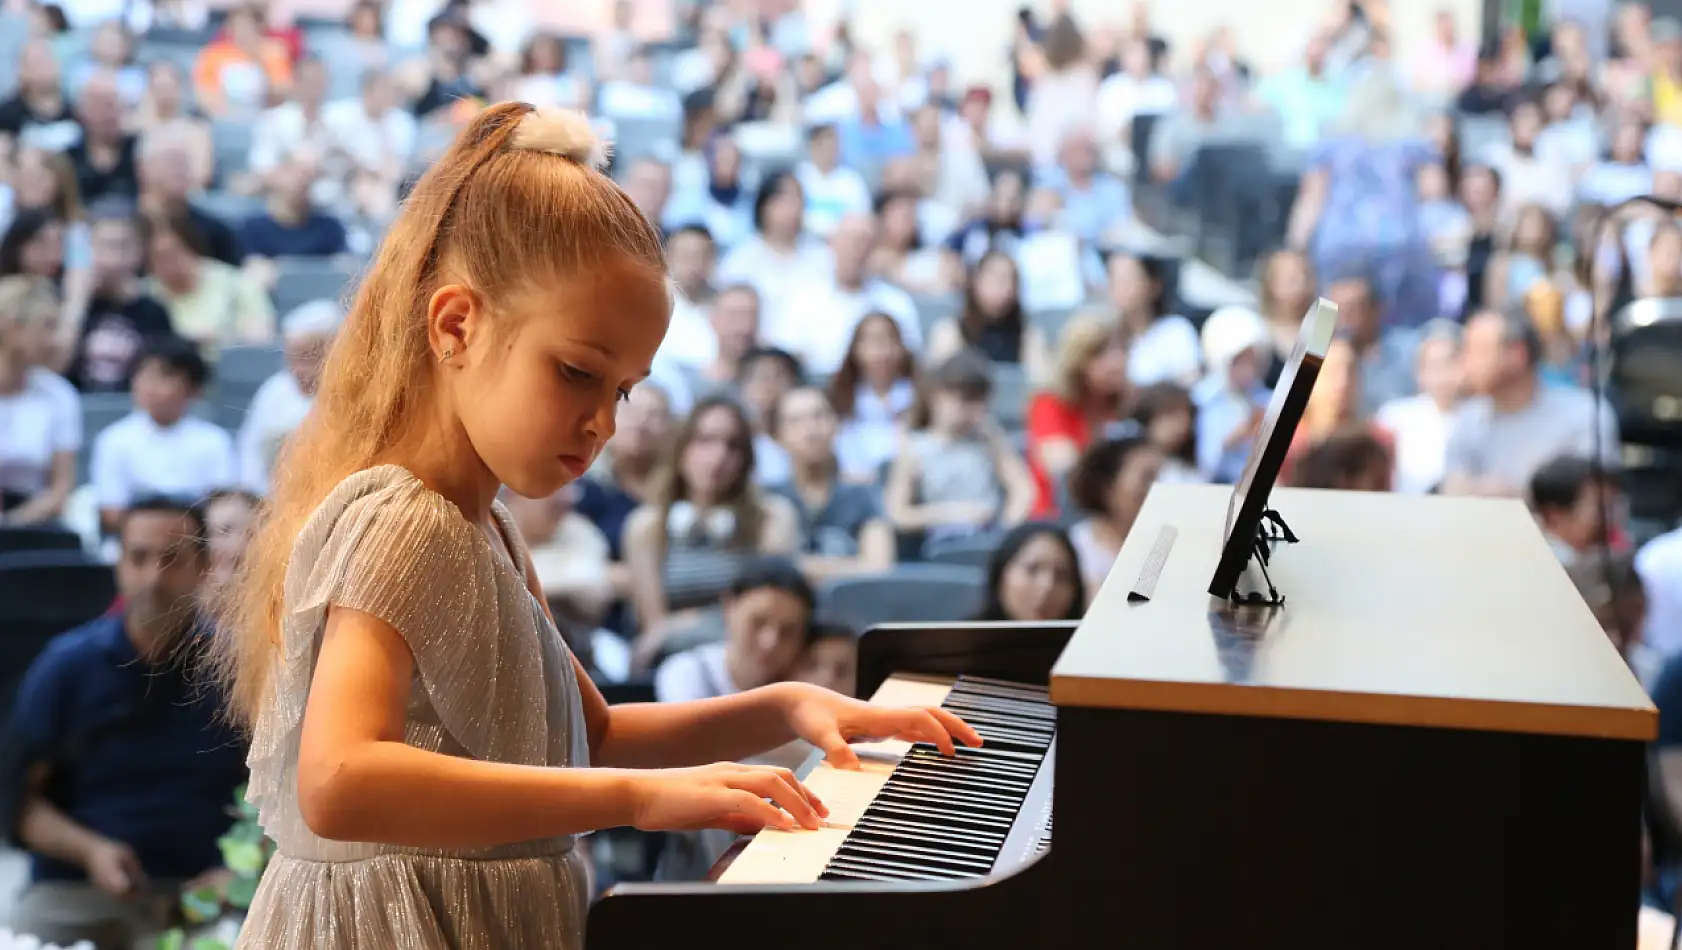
{"x":1628,"y":142}
{"x":830,"y":662}
{"x":1169,"y":430}
{"x":784,"y":211}
{"x":1127,"y":493}
{"x":952,"y":412}
{"x":763,"y":383}
{"x":1039,"y":582}
{"x":1131,"y":288}
{"x":995,"y":286}
{"x":227,"y":525}
{"x":1106,"y":372}
{"x":34,"y":184}
{"x":43,"y":255}
{"x":713,"y":459}
{"x":806,"y":426}
{"x":171,"y":259}
{"x":537,"y":394}
{"x":881,"y":354}
{"x":766,"y":634}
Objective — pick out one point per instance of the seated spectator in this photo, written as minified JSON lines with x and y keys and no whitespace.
{"x":1351,"y":459}
{"x":127,"y":765}
{"x":702,"y":521}
{"x":1286,"y":293}
{"x":1515,"y":423}
{"x":998,"y":227}
{"x":1181,"y":132}
{"x":634,"y":94}
{"x":1385,"y":354}
{"x":1034,"y":576}
{"x":1087,"y":392}
{"x":295,"y":124}
{"x":570,"y":556}
{"x":452,"y":69}
{"x":227,"y":515}
{"x":1059,"y":270}
{"x":622,"y":481}
{"x":765,"y":375}
{"x":1420,"y":422}
{"x":901,"y":256}
{"x":166,"y":168}
{"x":956,"y":474}
{"x":1613,"y":589}
{"x":104,"y":158}
{"x":1526,"y":259}
{"x":690,"y":255}
{"x":875,"y":133}
{"x":1094,"y":201}
{"x":40,"y":416}
{"x":1334,"y":406}
{"x":166,"y":113}
{"x":722,"y":203}
{"x":734,"y":319}
{"x":778,"y":259}
{"x":209,"y":302}
{"x":34,"y":246}
{"x":831,"y":659}
{"x":1528,"y":177}
{"x":375,"y":138}
{"x":290,"y":226}
{"x":1624,"y":174}
{"x":992,"y":321}
{"x":1659,"y":562}
{"x":767,"y":619}
{"x":833,"y":190}
{"x":872,"y":392}
{"x":546,"y":81}
{"x":842,"y":530}
{"x":121,"y":319}
{"x":1167,"y":418}
{"x":831,"y":306}
{"x":1164,"y":345}
{"x":242,"y":68}
{"x":111,"y":51}
{"x":1108,"y":486}
{"x":158,"y":449}
{"x":282,"y":401}
{"x":38,"y":115}
{"x":1231,"y":400}
{"x":1573,"y":501}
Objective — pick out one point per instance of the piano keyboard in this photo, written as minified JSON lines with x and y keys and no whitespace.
{"x":912,"y":814}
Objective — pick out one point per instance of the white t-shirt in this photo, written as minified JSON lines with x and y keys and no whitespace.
{"x":780,"y":278}
{"x":1421,"y":432}
{"x":39,"y":421}
{"x":831,"y":196}
{"x":135,"y":457}
{"x":829,"y":314}
{"x":276,"y":410}
{"x":1167,"y":352}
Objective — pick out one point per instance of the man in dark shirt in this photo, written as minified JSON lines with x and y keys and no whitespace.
{"x":289,"y":226}
{"x":38,"y":114}
{"x":164,"y":165}
{"x":127,"y":768}
{"x":120,"y":319}
{"x":104,"y":158}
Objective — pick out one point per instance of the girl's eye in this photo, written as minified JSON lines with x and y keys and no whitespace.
{"x":584,"y":377}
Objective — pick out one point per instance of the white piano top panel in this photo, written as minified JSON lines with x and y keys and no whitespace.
{"x":1405,"y":610}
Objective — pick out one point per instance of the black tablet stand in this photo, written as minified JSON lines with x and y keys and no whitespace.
{"x":1270,"y":530}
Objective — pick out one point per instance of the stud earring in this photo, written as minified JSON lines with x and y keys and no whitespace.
{"x":447,"y":354}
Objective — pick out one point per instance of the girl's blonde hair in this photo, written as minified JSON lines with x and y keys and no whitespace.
{"x":1084,"y":337}
{"x":23,"y":297}
{"x":516,"y":200}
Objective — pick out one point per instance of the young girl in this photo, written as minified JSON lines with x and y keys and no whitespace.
{"x":956,"y":473}
{"x":871,"y":393}
{"x":425,"y":750}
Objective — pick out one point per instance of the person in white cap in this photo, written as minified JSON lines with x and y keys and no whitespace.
{"x":1231,"y":398}
{"x":281,"y":403}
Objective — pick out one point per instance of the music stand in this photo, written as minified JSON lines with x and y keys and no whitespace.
{"x":1252,"y":528}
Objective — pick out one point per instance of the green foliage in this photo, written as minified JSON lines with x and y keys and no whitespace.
{"x":245,"y":854}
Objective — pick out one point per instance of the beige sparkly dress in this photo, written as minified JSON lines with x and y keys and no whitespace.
{"x":493,"y":680}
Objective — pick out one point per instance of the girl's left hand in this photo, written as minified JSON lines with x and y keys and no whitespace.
{"x":830,"y":721}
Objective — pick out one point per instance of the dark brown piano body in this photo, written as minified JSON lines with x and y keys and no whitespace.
{"x":1191,"y":828}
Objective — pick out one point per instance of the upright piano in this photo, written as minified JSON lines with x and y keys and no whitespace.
{"x":1430,"y":744}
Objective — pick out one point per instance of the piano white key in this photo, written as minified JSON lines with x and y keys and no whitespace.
{"x":795,"y":857}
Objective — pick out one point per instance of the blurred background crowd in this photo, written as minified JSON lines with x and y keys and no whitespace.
{"x":935,"y":335}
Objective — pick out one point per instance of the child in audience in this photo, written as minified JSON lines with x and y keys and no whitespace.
{"x":1352,"y":459}
{"x":872,"y":392}
{"x":158,"y":449}
{"x":1167,"y":418}
{"x":765,"y":374}
{"x":842,"y":530}
{"x":831,"y":659}
{"x":1109,"y":485}
{"x":1576,"y":503}
{"x":956,"y":473}
{"x":422,"y":739}
{"x":1231,"y":399}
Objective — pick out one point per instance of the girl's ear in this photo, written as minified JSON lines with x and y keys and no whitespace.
{"x":455,"y":321}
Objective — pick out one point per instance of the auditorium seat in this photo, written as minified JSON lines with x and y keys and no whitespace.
{"x":43,"y":594}
{"x":911,"y":593}
{"x":23,"y":538}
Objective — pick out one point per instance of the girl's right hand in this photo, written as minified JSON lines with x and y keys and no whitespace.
{"x":724,"y":795}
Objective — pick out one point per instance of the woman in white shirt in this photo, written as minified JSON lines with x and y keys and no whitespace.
{"x":779,"y":259}
{"x":283,"y":400}
{"x":871,"y":393}
{"x":1164,"y":346}
{"x":1420,"y":423}
{"x":40,"y":414}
